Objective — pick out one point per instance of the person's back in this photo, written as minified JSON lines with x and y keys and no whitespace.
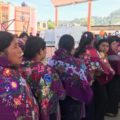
{"x":43,"y":80}
{"x":73,"y":77}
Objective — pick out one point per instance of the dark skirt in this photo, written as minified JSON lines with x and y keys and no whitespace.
{"x":96,"y":109}
{"x":53,"y":116}
{"x":90,"y":108}
{"x":70,"y":109}
{"x":113,"y":89}
{"x":100,"y":99}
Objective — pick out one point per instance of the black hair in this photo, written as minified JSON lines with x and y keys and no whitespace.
{"x":23,"y":34}
{"x":66,"y":42}
{"x":37,"y":34}
{"x":112,"y":39}
{"x":31,"y":34}
{"x":33,"y":47}
{"x":85,"y":40}
{"x":5,"y":40}
{"x":100,"y":42}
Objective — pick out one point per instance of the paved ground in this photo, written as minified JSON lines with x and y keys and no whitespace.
{"x":113,"y":118}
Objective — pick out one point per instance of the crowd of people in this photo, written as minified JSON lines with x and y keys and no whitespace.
{"x":80,"y":83}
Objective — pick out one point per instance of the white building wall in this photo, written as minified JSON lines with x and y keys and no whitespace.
{"x":11,"y":17}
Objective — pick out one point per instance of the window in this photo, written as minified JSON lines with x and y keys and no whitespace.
{"x":44,"y":25}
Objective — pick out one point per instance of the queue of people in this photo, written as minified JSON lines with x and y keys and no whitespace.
{"x":80,"y":83}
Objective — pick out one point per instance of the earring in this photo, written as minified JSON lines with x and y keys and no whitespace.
{"x":22,"y":54}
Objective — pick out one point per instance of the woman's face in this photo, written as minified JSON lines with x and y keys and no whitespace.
{"x":73,"y":51}
{"x":25,"y":38}
{"x":104,"y":47}
{"x":42,"y":54}
{"x":14,"y":53}
{"x":118,"y":48}
{"x":114,"y":46}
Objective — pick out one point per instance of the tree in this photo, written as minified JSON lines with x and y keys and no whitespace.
{"x":83,"y":21}
{"x":51,"y":25}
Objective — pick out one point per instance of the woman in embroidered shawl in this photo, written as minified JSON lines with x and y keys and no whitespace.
{"x":16,"y":99}
{"x":74,"y":79}
{"x":114,"y":86}
{"x":87,"y":53}
{"x":43,"y":80}
{"x":100,"y":93}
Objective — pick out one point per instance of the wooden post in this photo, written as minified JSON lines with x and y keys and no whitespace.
{"x":56,"y":16}
{"x":89,"y":14}
{"x":0,"y":16}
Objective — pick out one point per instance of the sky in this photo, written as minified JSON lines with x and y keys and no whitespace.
{"x":45,"y":9}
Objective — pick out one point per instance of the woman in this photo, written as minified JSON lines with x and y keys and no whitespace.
{"x":114,"y":86}
{"x":22,"y":39}
{"x":43,"y":80}
{"x":74,"y":79}
{"x":87,"y":53}
{"x":103,"y":47}
{"x":16,"y":99}
{"x":101,"y":95}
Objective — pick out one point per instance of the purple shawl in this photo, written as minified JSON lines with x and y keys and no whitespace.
{"x":4,"y":62}
{"x":72,"y":74}
{"x":114,"y":60}
{"x":16,"y":99}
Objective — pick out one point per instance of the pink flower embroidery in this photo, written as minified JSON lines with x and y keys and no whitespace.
{"x":45,"y":103}
{"x":17,"y":101}
{"x":28,"y":71}
{"x":41,"y":68}
{"x":6,"y":72}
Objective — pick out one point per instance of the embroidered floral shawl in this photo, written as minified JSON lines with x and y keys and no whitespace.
{"x":16,"y":99}
{"x":72,"y":74}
